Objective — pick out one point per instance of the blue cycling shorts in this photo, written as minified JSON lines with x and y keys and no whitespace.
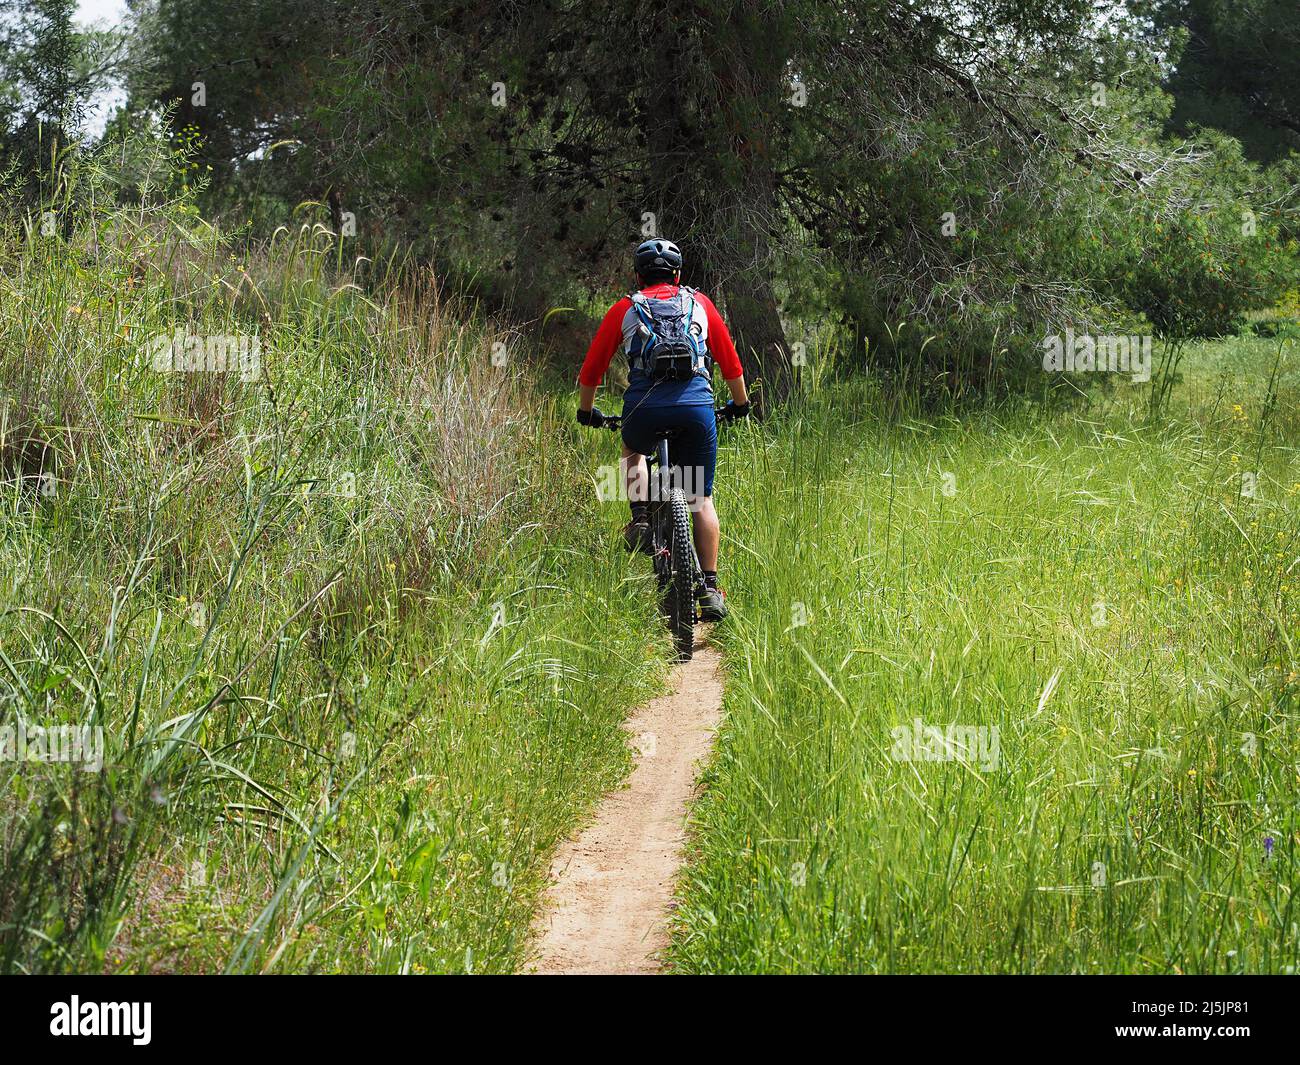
{"x":693,"y":447}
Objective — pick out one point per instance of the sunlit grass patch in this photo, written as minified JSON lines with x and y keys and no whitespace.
{"x":1102,"y":598}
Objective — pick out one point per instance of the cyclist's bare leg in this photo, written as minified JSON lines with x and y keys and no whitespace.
{"x":707,"y":532}
{"x":635,"y":476}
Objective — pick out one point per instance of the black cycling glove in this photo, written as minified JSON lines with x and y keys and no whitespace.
{"x":735,"y":410}
{"x":591,"y":417}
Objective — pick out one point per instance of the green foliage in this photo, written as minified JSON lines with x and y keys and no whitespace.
{"x":1192,"y":256}
{"x":863,"y":162}
{"x":49,"y":67}
{"x":1196,"y":279}
{"x":336,"y":618}
{"x":1238,"y":70}
{"x":1109,"y":596}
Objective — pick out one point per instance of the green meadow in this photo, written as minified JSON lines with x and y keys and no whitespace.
{"x":1102,"y":605}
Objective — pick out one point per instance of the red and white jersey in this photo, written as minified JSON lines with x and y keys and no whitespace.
{"x":618,"y":331}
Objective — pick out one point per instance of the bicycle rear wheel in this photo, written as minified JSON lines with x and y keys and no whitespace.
{"x":679,"y":594}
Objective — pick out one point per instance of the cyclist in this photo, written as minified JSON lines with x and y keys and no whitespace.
{"x":655,"y":401}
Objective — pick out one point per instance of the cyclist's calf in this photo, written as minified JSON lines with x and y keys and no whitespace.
{"x":707,"y":534}
{"x":635,"y":476}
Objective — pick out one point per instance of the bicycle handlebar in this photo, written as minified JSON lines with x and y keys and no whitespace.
{"x":614,"y":422}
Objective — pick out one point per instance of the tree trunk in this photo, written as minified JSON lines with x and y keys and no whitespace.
{"x":711,"y":183}
{"x":749,"y":74}
{"x":336,"y":210}
{"x":760,"y":337}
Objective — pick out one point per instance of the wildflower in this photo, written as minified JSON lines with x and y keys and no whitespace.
{"x":1268,"y":847}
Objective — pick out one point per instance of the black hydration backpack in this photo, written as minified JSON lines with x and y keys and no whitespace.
{"x":670,"y":343}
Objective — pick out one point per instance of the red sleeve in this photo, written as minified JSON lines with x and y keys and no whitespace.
{"x":604,"y":344}
{"x":721,"y":346}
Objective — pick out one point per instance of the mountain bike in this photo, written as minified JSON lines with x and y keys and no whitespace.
{"x":678,"y":574}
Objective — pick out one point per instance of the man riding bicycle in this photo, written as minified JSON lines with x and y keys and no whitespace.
{"x":669,"y":332}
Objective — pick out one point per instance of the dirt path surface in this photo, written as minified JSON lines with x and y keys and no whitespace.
{"x":611,"y":887}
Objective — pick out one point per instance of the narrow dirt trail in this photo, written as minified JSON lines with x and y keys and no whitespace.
{"x":611,"y":887}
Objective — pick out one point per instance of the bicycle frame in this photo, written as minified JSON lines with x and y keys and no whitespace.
{"x":661,"y":479}
{"x":678,"y":572}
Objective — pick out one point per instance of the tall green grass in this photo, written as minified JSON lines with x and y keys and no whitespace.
{"x":1096,"y":588}
{"x":357,"y":650}
{"x":360,"y":642}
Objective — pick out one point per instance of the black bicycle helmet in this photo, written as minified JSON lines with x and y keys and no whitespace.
{"x":657,"y":257}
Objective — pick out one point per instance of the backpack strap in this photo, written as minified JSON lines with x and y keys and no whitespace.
{"x":639,"y":304}
{"x":641,"y":356}
{"x":701,"y":359}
